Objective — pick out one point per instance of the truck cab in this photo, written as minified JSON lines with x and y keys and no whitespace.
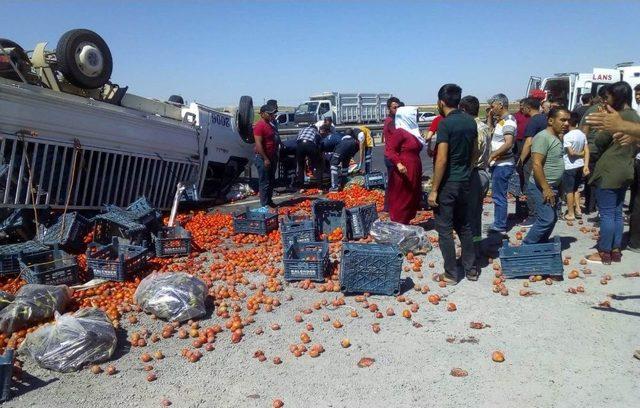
{"x":312,"y":111}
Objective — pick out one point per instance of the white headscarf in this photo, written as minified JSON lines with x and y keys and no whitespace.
{"x":407,"y":119}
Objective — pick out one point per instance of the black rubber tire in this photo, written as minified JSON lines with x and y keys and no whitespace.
{"x":22,"y":59}
{"x":66,"y":62}
{"x":245,"y":118}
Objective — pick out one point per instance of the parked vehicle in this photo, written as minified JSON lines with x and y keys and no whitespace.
{"x":425,"y":118}
{"x":286,"y":120}
{"x":68,"y":136}
{"x":344,"y":108}
{"x":571,"y":86}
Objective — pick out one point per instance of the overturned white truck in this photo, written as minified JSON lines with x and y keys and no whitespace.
{"x":70,"y":138}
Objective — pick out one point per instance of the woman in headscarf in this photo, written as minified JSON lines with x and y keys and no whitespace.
{"x":403,"y":150}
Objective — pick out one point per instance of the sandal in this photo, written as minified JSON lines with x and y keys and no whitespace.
{"x":603,"y":258}
{"x":616,"y":255}
{"x":567,"y":218}
{"x":578,"y":216}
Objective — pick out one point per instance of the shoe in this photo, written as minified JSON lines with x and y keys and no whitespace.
{"x":603,"y":258}
{"x":497,"y":230}
{"x":616,"y":255}
{"x":528,"y":223}
{"x":473,"y":274}
{"x":450,"y":280}
{"x":334,"y":189}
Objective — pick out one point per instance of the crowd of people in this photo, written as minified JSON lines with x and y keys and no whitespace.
{"x":549,"y":150}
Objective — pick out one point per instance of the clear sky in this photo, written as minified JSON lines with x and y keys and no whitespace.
{"x":214,"y":52}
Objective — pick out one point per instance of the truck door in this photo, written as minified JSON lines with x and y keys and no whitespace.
{"x":324,"y":110}
{"x":534,"y":83}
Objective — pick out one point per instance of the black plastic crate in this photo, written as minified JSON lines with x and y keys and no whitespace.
{"x":115,"y":224}
{"x":300,"y":229}
{"x":145,"y":214}
{"x":532,"y":259}
{"x":372,"y":268}
{"x":328,"y":215}
{"x":115,"y":261}
{"x":75,"y":228}
{"x":54,"y":267}
{"x":172,"y":241}
{"x":254,"y":222}
{"x":17,"y":226}
{"x":306,"y":260}
{"x":141,"y":212}
{"x":360,"y":220}
{"x":375,"y":179}
{"x":9,"y":255}
{"x":6,"y":373}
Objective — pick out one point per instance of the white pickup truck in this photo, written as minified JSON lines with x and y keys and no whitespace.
{"x":69,"y":137}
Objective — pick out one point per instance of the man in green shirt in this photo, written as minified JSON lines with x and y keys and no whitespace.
{"x":548,"y":166}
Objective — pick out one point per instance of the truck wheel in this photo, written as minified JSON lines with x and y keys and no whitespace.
{"x":18,"y":56}
{"x":245,"y":118}
{"x":84,"y":58}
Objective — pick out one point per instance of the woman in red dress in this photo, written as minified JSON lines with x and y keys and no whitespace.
{"x":404,"y":181}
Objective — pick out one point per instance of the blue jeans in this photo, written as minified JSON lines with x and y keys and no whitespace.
{"x":500,"y":176}
{"x":546,"y":215}
{"x":266,"y":179}
{"x":609,"y":203}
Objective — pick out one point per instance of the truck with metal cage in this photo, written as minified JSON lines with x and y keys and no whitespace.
{"x":71,"y":138}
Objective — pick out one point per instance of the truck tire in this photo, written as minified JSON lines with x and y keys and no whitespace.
{"x":84,"y":58}
{"x":18,"y":56}
{"x":245,"y":118}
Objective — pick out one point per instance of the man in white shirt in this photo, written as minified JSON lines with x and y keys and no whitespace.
{"x":575,"y":149}
{"x":501,"y":160}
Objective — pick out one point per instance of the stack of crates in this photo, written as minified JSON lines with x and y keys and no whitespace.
{"x":300,"y":229}
{"x":306,"y":260}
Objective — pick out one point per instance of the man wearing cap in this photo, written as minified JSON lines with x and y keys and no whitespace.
{"x":266,"y":149}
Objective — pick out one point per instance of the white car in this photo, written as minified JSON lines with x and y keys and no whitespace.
{"x":425,"y":118}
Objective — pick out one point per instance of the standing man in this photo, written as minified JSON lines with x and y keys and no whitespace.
{"x":548,"y":167}
{"x":594,"y":154}
{"x":537,"y":123}
{"x":479,"y":180}
{"x":365,"y":140}
{"x":307,"y":147}
{"x":387,"y":131}
{"x":521,"y":120}
{"x":342,"y":155}
{"x":575,"y":147}
{"x":457,"y":134}
{"x":636,"y":91}
{"x":266,"y":160}
{"x":585,"y":103}
{"x":501,"y":159}
{"x":545,"y":106}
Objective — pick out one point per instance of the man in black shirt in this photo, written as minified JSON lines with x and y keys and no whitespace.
{"x":457,"y":136}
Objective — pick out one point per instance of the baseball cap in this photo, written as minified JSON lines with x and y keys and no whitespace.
{"x":268,"y":109}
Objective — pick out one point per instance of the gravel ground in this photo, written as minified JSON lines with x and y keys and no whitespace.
{"x":561,"y":350}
